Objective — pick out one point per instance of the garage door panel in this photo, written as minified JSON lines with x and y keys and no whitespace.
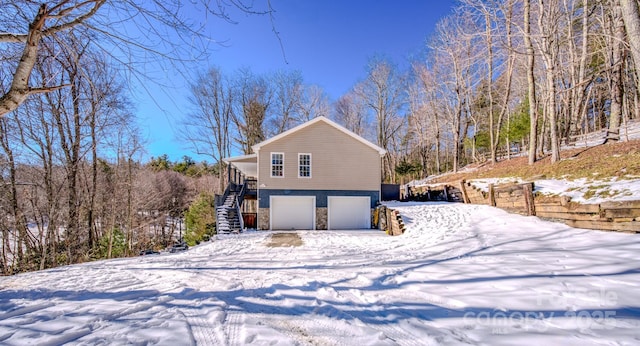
{"x":349,"y":212}
{"x":292,"y":212}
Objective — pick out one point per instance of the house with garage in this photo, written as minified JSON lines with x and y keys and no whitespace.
{"x":316,"y":176}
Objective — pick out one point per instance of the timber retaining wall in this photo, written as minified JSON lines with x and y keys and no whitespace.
{"x":520,"y":198}
{"x":621,"y":216}
{"x":389,"y":220}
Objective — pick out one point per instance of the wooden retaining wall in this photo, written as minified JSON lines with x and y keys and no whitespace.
{"x":389,"y":220}
{"x":519,"y":198}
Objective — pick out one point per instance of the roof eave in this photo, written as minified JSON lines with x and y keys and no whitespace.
{"x":228,"y":160}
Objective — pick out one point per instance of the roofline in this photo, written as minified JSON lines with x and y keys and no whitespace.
{"x":326,"y":120}
{"x":238,"y":158}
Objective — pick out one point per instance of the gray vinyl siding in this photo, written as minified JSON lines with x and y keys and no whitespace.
{"x":338,"y":161}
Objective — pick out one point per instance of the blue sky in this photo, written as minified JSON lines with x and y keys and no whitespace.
{"x":330,"y":42}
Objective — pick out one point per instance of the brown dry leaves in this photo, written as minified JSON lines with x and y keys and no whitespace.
{"x":620,"y":160}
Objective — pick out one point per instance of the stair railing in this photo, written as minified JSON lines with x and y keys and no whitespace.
{"x":239,"y":213}
{"x":239,"y":202}
{"x":239,"y":190}
{"x":219,"y":200}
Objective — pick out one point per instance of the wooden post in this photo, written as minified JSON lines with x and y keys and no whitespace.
{"x":492,"y":196}
{"x":382,"y":218}
{"x":397,"y":230}
{"x":463,"y":189}
{"x":387,"y":215}
{"x":530,"y":206}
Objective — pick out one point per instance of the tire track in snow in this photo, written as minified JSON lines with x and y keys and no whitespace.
{"x":204,"y":330}
{"x":232,"y":322}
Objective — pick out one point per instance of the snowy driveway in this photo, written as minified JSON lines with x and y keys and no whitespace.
{"x":462,"y":274}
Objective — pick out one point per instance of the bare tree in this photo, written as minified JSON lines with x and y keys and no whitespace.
{"x":58,"y":133}
{"x":426,"y":120}
{"x":18,"y":230}
{"x":64,"y":15}
{"x":384,"y":94}
{"x":254,"y":98}
{"x":313,"y":103}
{"x":456,"y":56}
{"x":549,"y":44}
{"x":350,"y":112}
{"x":578,"y":51}
{"x":207,"y":127}
{"x":121,"y":28}
{"x":288,"y":93}
{"x":616,"y":65}
{"x":488,"y":15}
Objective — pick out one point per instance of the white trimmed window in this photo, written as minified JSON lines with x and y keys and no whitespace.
{"x":304,"y":165}
{"x":277,"y":165}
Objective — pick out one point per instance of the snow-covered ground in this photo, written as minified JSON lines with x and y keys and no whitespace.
{"x":461,"y":274}
{"x":629,"y":130}
{"x":586,"y":191}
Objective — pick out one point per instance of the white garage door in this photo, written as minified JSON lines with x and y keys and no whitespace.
{"x":349,"y":212}
{"x":293,"y":212}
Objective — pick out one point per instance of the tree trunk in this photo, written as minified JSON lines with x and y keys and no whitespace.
{"x":94,"y":181}
{"x":129,"y":206}
{"x":19,"y":220}
{"x":437,"y":154}
{"x":549,"y":48}
{"x":531,"y":82}
{"x":615,"y":116}
{"x":553,"y":114}
{"x":492,"y":135}
{"x":631,"y":17}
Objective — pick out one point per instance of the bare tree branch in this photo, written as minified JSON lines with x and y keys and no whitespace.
{"x":19,"y":89}
{"x":130,"y":31}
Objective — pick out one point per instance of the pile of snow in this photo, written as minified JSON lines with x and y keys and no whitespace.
{"x":461,"y":274}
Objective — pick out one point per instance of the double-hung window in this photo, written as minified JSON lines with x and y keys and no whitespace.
{"x":277,"y":165}
{"x":304,"y":165}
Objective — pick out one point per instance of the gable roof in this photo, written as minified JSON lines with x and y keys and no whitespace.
{"x":315,"y":120}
